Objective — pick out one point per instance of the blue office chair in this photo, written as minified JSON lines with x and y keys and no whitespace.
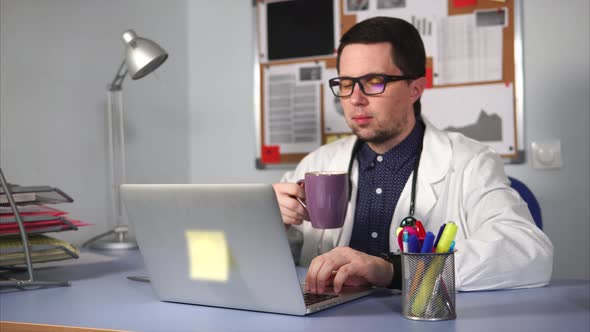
{"x":528,"y":196}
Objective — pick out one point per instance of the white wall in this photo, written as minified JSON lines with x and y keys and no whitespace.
{"x":557,"y":92}
{"x":221,"y":48}
{"x":56,"y":60}
{"x":195,"y":122}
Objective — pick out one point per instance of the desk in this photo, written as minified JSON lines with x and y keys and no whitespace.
{"x":102,"y":297}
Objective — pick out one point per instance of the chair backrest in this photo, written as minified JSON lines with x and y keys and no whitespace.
{"x":528,"y":196}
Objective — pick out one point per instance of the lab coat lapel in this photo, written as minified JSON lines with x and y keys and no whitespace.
{"x":434,"y":166}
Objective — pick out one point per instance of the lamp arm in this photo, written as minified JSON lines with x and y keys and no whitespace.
{"x":117,"y":83}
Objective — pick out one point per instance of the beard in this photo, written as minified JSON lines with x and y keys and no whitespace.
{"x":376,"y":137}
{"x":384,"y":129}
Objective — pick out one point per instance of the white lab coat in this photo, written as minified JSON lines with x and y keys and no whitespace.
{"x":461,"y":180}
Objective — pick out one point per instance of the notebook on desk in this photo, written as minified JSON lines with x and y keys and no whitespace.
{"x":220,"y":245}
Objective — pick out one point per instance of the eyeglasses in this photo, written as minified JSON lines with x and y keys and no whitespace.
{"x":370,"y":84}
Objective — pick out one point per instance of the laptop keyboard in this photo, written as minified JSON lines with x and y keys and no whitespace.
{"x":313,"y":298}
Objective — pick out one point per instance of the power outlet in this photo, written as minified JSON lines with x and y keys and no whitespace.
{"x":547,"y":154}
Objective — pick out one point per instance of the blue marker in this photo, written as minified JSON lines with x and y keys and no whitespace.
{"x":428,"y":243}
{"x":413,"y":243}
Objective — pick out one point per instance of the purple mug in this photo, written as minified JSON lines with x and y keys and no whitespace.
{"x":326,"y":198}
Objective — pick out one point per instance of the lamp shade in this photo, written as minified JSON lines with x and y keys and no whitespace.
{"x":142,"y":55}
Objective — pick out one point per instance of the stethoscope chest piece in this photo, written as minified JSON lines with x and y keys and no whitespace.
{"x":408,"y":221}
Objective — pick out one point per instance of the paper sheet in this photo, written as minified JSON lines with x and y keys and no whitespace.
{"x":292,"y":106}
{"x":467,"y":53}
{"x":482,"y":112}
{"x":422,"y":14}
{"x":334,"y":122}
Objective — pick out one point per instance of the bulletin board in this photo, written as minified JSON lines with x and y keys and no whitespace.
{"x":473,"y":70}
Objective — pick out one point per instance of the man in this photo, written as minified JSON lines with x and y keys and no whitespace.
{"x":381,"y":67}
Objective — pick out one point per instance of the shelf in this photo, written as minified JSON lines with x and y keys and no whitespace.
{"x":17,"y":248}
{"x":27,"y":195}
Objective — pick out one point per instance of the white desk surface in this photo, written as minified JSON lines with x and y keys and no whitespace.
{"x":102,"y":297}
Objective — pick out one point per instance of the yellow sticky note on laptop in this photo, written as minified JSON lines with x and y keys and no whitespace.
{"x":208,"y":255}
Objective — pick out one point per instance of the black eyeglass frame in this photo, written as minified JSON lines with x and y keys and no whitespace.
{"x":357,"y":81}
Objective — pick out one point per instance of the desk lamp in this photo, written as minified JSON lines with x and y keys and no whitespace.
{"x":142,"y":56}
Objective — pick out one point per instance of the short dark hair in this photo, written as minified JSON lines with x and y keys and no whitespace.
{"x":407,"y":46}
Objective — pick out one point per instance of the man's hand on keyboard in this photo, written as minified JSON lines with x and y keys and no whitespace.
{"x":344,"y":266}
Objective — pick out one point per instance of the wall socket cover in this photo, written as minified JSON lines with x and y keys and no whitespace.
{"x":546,"y":154}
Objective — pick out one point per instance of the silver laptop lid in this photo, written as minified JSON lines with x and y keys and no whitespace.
{"x":184,"y":230}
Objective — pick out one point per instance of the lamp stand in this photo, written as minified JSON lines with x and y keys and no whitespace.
{"x":142,"y":56}
{"x":116,"y":155}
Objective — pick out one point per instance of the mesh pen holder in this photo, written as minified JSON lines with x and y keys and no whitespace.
{"x":428,"y":286}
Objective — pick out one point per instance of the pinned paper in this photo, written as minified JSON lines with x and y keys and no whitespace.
{"x":271,"y":154}
{"x":208,"y":255}
{"x":464,"y":3}
{"x":428,"y":78}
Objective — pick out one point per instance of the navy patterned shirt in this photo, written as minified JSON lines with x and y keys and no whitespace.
{"x":381,"y":181}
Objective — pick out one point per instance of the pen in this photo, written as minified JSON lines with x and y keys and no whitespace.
{"x":448,"y":235}
{"x":405,"y":241}
{"x":138,"y":278}
{"x":452,"y":246}
{"x":440,"y":231}
{"x":424,"y":290}
{"x":439,"y":297}
{"x":433,"y":300}
{"x":446,"y":296}
{"x":417,"y":279}
{"x":400,"y":238}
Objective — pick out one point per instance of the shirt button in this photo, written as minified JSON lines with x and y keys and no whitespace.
{"x":374,"y":235}
{"x":379,"y":158}
{"x":379,"y":191}
{"x":372,"y":165}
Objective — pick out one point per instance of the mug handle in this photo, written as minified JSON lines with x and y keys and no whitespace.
{"x":302,"y":184}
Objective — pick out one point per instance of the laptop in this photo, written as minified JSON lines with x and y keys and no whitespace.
{"x":221,"y":245}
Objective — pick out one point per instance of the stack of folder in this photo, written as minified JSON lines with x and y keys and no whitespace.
{"x":38,"y":219}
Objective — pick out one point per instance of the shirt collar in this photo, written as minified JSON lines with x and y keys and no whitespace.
{"x":396,"y":156}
